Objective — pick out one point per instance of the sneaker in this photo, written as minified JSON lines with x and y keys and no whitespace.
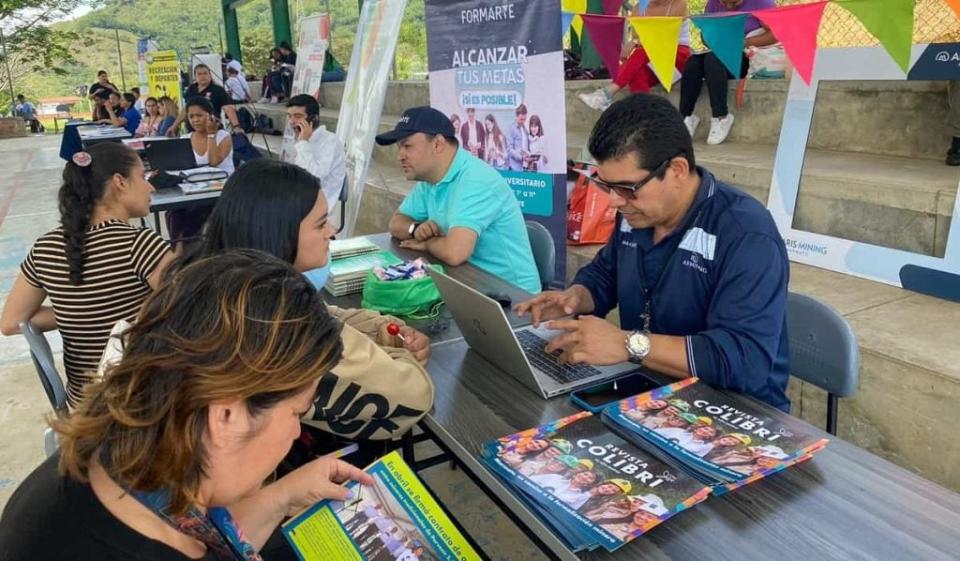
{"x":264,"y":99}
{"x":598,"y":99}
{"x":719,"y":129}
{"x":692,"y":123}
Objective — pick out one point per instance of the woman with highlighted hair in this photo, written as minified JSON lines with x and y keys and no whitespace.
{"x":165,"y":458}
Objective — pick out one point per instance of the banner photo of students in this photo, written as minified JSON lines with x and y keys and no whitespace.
{"x":163,"y":74}
{"x":308,"y":75}
{"x":364,"y":92}
{"x":496,"y":69}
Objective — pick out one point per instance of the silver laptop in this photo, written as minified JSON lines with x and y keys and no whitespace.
{"x":519,"y":353}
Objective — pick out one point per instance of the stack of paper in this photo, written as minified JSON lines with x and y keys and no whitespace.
{"x":347,"y":274}
{"x":340,"y":249}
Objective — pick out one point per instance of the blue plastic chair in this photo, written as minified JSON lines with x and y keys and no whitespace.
{"x":823,"y":350}
{"x":544,"y":251}
{"x":50,"y":379}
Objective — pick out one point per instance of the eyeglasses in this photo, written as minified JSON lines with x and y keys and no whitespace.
{"x":626,"y":191}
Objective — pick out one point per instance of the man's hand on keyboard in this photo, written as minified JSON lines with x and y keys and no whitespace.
{"x":552,"y":304}
{"x":589,"y":339}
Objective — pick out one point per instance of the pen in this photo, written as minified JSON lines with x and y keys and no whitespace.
{"x":345,"y":451}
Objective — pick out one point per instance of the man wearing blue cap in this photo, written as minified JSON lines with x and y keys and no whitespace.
{"x":461,"y":209}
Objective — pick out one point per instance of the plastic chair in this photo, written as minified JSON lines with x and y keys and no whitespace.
{"x":344,"y":195}
{"x":544,"y":251}
{"x":823,"y":350}
{"x":49,"y":378}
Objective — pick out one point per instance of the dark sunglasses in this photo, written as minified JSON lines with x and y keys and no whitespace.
{"x":625,"y":190}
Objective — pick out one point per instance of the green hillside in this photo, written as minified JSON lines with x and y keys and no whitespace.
{"x":186,"y":24}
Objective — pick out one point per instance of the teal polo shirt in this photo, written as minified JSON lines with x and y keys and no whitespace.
{"x":474,"y":195}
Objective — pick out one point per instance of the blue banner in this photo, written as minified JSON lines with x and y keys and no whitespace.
{"x":497,"y":71}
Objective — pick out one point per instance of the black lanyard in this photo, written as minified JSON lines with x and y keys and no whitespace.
{"x":647,"y":314}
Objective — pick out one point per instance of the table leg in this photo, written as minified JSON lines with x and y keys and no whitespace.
{"x":406,"y":446}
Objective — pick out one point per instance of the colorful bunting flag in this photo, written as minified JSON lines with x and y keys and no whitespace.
{"x":607,"y":36}
{"x":578,"y":25}
{"x":612,"y":7}
{"x":890,"y":21}
{"x":795,"y":27}
{"x":644,"y":4}
{"x":659,"y":37}
{"x":566,"y":18}
{"x":724,"y":36}
{"x":574,"y":6}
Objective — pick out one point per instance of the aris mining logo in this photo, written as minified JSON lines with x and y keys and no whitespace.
{"x":945,"y":56}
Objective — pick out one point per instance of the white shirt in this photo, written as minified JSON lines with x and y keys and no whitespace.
{"x":698,"y":447}
{"x":559,"y":487}
{"x":680,"y":436}
{"x":227,"y":163}
{"x":552,"y":481}
{"x":238,"y":89}
{"x":322,"y":155}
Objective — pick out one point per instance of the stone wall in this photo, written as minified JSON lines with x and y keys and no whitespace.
{"x":12,"y":127}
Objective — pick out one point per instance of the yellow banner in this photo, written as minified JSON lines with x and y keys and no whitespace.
{"x":574,"y":6}
{"x":163,"y":74}
{"x":659,"y":36}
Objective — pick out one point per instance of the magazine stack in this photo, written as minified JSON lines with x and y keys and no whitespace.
{"x":600,"y":481}
{"x":721,"y":438}
{"x":348,"y":274}
{"x":340,"y":249}
{"x":592,"y":487}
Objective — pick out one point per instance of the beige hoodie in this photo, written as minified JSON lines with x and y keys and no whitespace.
{"x":376,"y":392}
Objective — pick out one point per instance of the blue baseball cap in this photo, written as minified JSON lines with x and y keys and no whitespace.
{"x":418,"y":119}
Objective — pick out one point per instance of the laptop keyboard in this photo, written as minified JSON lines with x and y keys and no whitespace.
{"x":533,"y":346}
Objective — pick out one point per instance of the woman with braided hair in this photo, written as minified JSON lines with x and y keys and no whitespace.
{"x":96,"y":268}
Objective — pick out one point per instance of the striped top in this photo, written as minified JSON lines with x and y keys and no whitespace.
{"x":118,"y":258}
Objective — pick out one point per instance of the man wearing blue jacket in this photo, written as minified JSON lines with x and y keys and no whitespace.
{"x":697,"y":267}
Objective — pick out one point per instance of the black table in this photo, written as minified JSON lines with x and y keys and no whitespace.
{"x":91,"y":135}
{"x":173,"y":199}
{"x":845,"y":504}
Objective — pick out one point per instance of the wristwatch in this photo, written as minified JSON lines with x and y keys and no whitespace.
{"x":638,"y":346}
{"x":412,"y":228}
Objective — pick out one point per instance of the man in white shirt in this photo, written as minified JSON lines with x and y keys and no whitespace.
{"x":236,"y":86}
{"x":316,"y":150}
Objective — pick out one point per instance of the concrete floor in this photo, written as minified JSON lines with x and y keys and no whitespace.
{"x":28,"y":208}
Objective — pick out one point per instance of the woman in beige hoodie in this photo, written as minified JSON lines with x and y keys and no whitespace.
{"x":380,"y":387}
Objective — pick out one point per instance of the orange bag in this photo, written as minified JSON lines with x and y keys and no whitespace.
{"x":590,"y":219}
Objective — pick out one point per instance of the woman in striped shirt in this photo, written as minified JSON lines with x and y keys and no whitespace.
{"x":96,"y":268}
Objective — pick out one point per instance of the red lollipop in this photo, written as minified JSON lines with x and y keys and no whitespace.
{"x":394,"y":330}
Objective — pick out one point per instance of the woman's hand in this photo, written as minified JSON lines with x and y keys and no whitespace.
{"x":211,"y":126}
{"x":416,"y":342}
{"x":319,"y":480}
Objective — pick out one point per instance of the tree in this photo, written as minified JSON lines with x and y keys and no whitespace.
{"x":31,"y":44}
